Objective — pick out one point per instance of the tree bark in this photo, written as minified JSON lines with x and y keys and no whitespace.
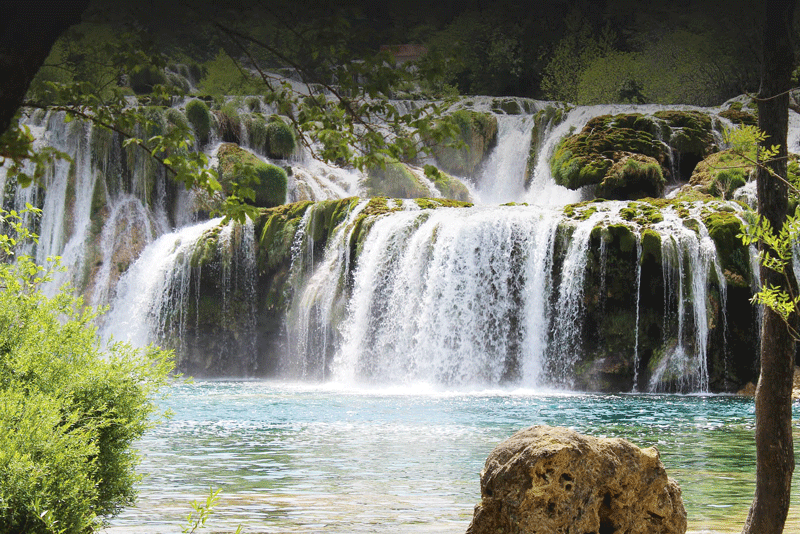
{"x":28,"y":30}
{"x":774,"y":447}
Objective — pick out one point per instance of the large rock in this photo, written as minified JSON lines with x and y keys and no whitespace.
{"x":547,"y":480}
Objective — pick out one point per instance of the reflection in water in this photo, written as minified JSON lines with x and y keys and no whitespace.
{"x":305,"y":458}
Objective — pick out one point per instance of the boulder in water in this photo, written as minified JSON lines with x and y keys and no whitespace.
{"x":546,"y":480}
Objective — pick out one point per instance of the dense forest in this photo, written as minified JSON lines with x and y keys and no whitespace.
{"x":688,"y":52}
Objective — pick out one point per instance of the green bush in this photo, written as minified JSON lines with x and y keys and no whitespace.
{"x":200,"y":118}
{"x":280,"y":139}
{"x":70,"y":408}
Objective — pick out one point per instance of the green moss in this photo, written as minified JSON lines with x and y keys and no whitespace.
{"x":651,"y":246}
{"x":544,"y":120}
{"x":691,"y":131}
{"x":280,"y":139}
{"x":142,"y":80}
{"x":720,"y":174}
{"x":448,"y":186}
{"x":692,"y":224}
{"x":271,"y":181}
{"x":229,"y":123}
{"x":256,"y":127}
{"x":587,"y":157}
{"x":433,"y":203}
{"x":724,"y":227}
{"x":621,"y":236}
{"x":478,"y":133}
{"x":199,"y":116}
{"x":394,"y":180}
{"x":737,"y":116}
{"x":632,"y":177}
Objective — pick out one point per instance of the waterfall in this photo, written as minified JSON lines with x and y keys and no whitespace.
{"x":155,"y":286}
{"x":450,"y":296}
{"x":315,"y":312}
{"x":638,"y":310}
{"x":502,"y":176}
{"x":526,"y":295}
{"x":692,"y":262}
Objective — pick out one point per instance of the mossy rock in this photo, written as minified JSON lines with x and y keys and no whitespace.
{"x":736,"y":115}
{"x":632,"y":177}
{"x":651,"y":246}
{"x":270,"y":189}
{"x":478,"y":133}
{"x":448,"y":187}
{"x":587,"y":157}
{"x":199,"y":116}
{"x":280,"y":139}
{"x":691,"y":131}
{"x":720,"y":174}
{"x":724,"y":227}
{"x":618,"y":236}
{"x":545,"y":119}
{"x":394,"y":180}
{"x":229,"y":123}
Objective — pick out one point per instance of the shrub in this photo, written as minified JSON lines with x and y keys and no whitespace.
{"x":70,"y":408}
{"x":200,"y":118}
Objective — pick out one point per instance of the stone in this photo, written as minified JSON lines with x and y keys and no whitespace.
{"x":548,"y":480}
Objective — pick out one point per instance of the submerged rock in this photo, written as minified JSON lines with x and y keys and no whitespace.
{"x":553,"y":480}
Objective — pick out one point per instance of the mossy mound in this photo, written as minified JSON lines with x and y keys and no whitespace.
{"x":724,"y":227}
{"x":720,"y":174}
{"x":586,"y":158}
{"x":478,"y":135}
{"x":280,"y":140}
{"x":691,"y":136}
{"x":199,"y":116}
{"x":738,"y":115}
{"x":229,"y":124}
{"x":270,"y":186}
{"x":448,"y":187}
{"x":632,"y":177}
{"x":394,"y":180}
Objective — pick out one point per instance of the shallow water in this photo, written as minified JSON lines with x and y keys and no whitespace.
{"x":301,"y":458}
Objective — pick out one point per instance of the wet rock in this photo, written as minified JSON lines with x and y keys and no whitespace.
{"x":546,"y":480}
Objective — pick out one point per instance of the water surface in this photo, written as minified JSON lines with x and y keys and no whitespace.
{"x":302,"y":458}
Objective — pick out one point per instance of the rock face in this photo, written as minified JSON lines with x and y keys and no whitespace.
{"x":546,"y":480}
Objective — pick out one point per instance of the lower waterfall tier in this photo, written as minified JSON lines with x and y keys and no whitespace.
{"x":608,"y":296}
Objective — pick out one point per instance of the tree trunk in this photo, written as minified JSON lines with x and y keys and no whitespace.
{"x":28,"y":29}
{"x":774,"y":448}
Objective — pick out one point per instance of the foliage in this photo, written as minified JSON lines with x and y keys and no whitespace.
{"x":71,"y":406}
{"x":201,"y":512}
{"x":573,"y":53}
{"x":777,"y":249}
{"x":225,"y":77}
{"x":778,"y":258}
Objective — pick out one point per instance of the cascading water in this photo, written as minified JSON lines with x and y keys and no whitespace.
{"x":453,"y":296}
